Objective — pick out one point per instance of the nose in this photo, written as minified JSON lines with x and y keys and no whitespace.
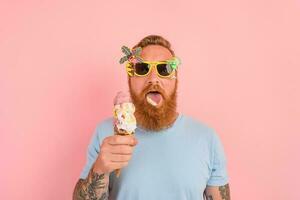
{"x":153,"y":77}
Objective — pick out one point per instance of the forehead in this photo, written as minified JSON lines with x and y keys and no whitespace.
{"x":155,"y":53}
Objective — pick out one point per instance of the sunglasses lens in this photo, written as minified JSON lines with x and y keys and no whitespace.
{"x":164,"y":69}
{"x":141,"y":68}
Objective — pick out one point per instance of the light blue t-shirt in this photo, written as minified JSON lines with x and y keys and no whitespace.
{"x":174,"y":164}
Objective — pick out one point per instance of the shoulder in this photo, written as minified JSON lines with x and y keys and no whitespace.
{"x":104,"y":128}
{"x":105,"y":124}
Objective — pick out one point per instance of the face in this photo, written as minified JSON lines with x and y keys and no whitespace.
{"x":154,"y":96}
{"x":138,"y":84}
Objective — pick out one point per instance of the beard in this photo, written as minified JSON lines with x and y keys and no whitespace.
{"x":154,"y":118}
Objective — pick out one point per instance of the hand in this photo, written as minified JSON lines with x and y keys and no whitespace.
{"x":115,"y":152}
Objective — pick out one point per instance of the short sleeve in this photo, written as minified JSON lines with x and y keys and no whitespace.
{"x":92,"y":154}
{"x":219,"y":175}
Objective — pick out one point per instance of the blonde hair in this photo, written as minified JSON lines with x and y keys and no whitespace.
{"x":155,"y":40}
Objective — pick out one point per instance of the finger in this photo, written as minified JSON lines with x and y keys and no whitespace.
{"x":135,"y":142}
{"x":119,"y":158}
{"x":118,"y":165}
{"x":120,"y":139}
{"x":121,"y":149}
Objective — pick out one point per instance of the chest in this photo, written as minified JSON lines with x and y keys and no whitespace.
{"x":166,"y":165}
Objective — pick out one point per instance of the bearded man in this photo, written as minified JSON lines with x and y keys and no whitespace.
{"x":170,"y":157}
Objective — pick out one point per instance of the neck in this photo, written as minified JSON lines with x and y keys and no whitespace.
{"x":155,"y":123}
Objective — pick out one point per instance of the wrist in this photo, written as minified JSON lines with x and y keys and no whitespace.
{"x":97,"y":169}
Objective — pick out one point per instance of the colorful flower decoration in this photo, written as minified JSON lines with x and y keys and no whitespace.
{"x":131,"y":56}
{"x":129,"y":68}
{"x":174,"y":62}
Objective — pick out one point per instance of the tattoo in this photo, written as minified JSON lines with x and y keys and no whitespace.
{"x":210,"y":197}
{"x":104,"y":196}
{"x":206,"y":196}
{"x":224,"y":192}
{"x":92,"y":187}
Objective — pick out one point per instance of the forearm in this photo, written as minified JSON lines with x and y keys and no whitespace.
{"x":217,"y":192}
{"x":94,"y":187}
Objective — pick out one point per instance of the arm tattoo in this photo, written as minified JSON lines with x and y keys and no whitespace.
{"x":217,"y":193}
{"x":94,"y":187}
{"x":209,"y":197}
{"x":224,"y":192}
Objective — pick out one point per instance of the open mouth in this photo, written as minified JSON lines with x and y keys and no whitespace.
{"x":154,"y":97}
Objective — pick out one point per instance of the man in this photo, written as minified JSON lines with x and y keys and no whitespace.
{"x":171,"y":156}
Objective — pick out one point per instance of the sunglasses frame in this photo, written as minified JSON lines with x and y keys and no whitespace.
{"x":130,"y":68}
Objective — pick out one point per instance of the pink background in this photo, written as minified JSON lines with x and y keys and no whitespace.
{"x":59,"y":72}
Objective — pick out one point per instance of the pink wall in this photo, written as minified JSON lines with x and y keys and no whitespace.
{"x":59,"y":72}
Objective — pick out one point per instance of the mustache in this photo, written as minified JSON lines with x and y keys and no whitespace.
{"x":154,"y":87}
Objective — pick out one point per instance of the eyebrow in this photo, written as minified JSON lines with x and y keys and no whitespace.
{"x":155,"y":61}
{"x":159,"y":60}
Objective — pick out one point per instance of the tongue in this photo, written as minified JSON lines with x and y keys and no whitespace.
{"x":153,"y":98}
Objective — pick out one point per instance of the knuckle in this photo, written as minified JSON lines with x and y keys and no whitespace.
{"x":106,"y":139}
{"x":104,"y":149}
{"x":128,"y":150}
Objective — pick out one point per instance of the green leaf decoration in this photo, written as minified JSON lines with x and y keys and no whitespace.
{"x":126,"y":50}
{"x":137,"y":51}
{"x":174,"y":62}
{"x":123,"y":59}
{"x":133,"y":55}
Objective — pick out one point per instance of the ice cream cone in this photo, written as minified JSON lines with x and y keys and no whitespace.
{"x":124,"y":119}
